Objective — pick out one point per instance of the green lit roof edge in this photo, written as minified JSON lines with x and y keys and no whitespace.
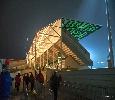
{"x":79,"y":29}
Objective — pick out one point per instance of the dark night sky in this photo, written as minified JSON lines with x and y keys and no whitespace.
{"x":20,"y":19}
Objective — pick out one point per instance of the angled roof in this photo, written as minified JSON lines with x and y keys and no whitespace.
{"x":61,"y":36}
{"x":79,"y":29}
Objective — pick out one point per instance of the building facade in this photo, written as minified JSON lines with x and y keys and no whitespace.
{"x":57,"y":46}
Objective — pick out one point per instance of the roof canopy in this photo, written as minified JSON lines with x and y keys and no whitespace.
{"x":79,"y":29}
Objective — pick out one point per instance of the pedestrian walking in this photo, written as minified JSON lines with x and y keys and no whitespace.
{"x":17,"y":82}
{"x":24,"y":77}
{"x":54,"y":84}
{"x":32,"y":81}
{"x":39,"y":82}
{"x":27,"y":81}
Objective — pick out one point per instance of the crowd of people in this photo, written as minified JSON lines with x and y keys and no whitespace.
{"x":29,"y":82}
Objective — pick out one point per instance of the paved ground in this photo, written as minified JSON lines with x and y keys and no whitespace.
{"x":22,"y":95}
{"x":45,"y":95}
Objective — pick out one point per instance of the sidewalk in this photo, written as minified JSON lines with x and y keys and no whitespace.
{"x":22,"y":95}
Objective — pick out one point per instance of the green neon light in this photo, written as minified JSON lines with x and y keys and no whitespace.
{"x":79,"y":29}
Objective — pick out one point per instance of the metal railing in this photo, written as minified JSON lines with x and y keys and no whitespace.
{"x":73,"y":91}
{"x":80,"y":91}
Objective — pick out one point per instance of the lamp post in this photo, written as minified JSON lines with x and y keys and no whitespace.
{"x":111,"y":57}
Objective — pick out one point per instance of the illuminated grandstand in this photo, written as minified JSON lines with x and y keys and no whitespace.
{"x":57,"y":46}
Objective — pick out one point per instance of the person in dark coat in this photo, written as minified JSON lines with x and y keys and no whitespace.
{"x":39,"y":82}
{"x":17,"y":82}
{"x":5,"y":84}
{"x":27,"y":80}
{"x":24,"y":77}
{"x":59,"y":79}
{"x":32,"y":81}
{"x":54,"y":84}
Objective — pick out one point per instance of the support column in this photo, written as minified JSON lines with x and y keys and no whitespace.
{"x":47,"y":59}
{"x":34,"y":68}
{"x":40,"y":61}
{"x":43,"y":59}
{"x":53,"y":56}
{"x":61,"y":44}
